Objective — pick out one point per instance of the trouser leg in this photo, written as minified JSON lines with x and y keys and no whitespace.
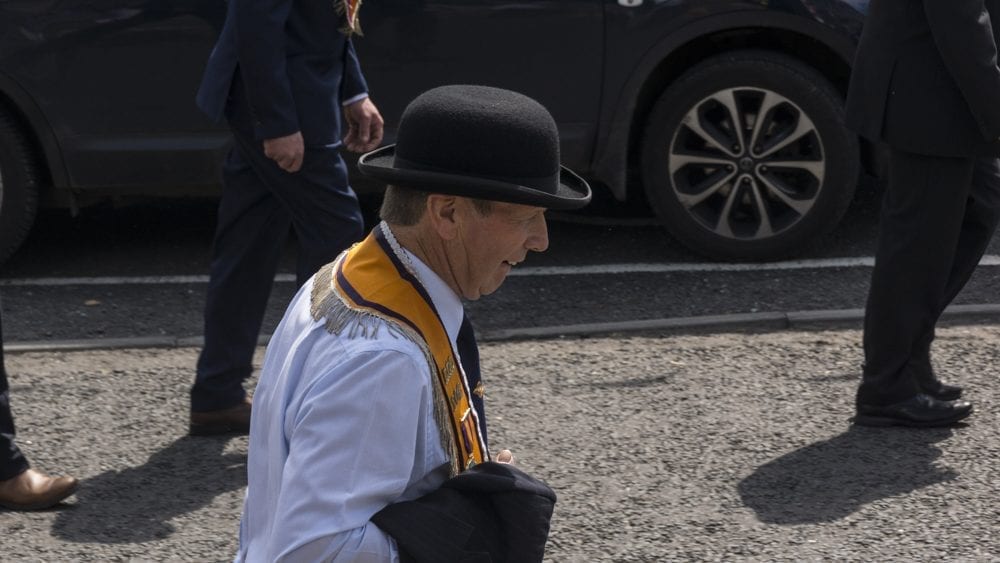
{"x":326,"y":216}
{"x":260,"y":202}
{"x":250,"y":236}
{"x":321,"y":206}
{"x":324,"y":210}
{"x":920,"y":227}
{"x":982,"y":213}
{"x":12,"y":461}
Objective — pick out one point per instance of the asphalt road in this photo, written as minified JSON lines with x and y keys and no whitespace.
{"x":139,"y":271}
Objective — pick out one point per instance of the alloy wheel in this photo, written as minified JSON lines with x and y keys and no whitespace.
{"x":747,"y":163}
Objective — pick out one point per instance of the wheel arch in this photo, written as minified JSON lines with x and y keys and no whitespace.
{"x":623,"y":123}
{"x":31,"y":122}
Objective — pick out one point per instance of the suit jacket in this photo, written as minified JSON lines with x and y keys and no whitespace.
{"x":295,"y":64}
{"x":925,"y":77}
{"x":492,"y":513}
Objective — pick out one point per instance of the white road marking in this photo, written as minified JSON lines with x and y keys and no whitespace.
{"x":120,"y":280}
{"x":596,"y":269}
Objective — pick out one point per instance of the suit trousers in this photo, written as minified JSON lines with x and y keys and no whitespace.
{"x":260,"y":204}
{"x":938,"y":216}
{"x":12,"y":461}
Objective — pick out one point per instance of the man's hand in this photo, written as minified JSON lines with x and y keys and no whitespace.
{"x":505,"y":456}
{"x":364,"y":126}
{"x":286,"y":151}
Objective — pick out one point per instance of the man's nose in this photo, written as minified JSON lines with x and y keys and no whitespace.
{"x":538,"y":239}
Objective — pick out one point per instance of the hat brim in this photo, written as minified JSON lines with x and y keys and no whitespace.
{"x":573,"y":192}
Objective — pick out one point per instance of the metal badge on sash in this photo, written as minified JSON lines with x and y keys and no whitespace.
{"x":350,"y":9}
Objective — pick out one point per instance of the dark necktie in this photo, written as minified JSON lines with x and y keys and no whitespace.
{"x":467,"y":349}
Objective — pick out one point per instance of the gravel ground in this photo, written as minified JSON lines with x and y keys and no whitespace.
{"x":725,"y":447}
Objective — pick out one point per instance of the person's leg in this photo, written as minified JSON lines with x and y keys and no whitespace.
{"x":21,"y":487}
{"x":250,"y":236}
{"x":260,"y":201}
{"x":982,"y":213}
{"x":12,"y":461}
{"x":920,"y":226}
{"x":318,"y":199}
{"x":325,"y":212}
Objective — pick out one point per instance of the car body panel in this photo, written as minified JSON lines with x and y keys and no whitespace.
{"x":115,"y":83}
{"x":104,"y":89}
{"x":108,"y":87}
{"x":550,"y":50}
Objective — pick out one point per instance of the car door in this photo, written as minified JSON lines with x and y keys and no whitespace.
{"x":116,"y":81}
{"x":550,"y":50}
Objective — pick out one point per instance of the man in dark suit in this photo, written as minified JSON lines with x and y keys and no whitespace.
{"x":926,"y":83}
{"x":283,"y":74}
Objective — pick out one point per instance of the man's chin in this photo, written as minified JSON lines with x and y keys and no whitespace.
{"x":488,"y":291}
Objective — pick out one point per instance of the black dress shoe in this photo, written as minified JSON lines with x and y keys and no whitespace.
{"x":928,"y":380}
{"x":940,"y":390}
{"x":920,"y":411}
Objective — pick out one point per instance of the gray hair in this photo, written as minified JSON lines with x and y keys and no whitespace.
{"x":404,"y":207}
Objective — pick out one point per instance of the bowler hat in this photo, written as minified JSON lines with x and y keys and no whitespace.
{"x":479,"y":142}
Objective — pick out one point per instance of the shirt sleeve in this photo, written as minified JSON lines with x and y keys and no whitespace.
{"x":352,"y":443}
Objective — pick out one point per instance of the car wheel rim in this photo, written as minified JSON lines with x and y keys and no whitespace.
{"x":747,"y":163}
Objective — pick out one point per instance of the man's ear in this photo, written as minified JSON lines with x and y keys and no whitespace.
{"x":442,"y":212}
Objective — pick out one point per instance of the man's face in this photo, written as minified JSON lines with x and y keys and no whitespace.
{"x":488,"y":246}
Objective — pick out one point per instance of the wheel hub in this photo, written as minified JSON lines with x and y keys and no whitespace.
{"x":746,"y":164}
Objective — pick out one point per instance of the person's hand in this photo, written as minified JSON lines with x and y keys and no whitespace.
{"x":505,"y":456}
{"x":364,"y":126}
{"x":287,"y":151}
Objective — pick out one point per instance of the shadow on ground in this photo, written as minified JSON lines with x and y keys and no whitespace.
{"x":829,"y":480}
{"x":136,"y":505}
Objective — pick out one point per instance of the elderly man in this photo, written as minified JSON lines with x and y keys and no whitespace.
{"x":370,"y":403}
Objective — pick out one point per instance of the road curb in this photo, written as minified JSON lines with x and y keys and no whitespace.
{"x":796,"y":320}
{"x":763,"y":321}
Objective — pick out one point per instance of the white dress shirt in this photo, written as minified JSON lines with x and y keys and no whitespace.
{"x":342,"y":426}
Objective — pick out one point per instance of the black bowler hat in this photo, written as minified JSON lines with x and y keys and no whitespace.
{"x":479,"y":142}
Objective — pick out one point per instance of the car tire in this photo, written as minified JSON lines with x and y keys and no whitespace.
{"x":761,"y":190}
{"x":19,"y":181}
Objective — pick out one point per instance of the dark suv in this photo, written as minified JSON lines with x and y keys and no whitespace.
{"x":724,"y":114}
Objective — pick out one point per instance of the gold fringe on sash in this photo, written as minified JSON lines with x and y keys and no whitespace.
{"x":371,"y":273}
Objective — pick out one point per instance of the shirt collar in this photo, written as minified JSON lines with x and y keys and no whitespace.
{"x":446,"y":301}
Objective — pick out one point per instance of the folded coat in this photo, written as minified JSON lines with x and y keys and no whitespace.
{"x":492,"y":513}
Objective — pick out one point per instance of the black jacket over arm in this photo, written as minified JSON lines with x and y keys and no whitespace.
{"x":492,"y":513}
